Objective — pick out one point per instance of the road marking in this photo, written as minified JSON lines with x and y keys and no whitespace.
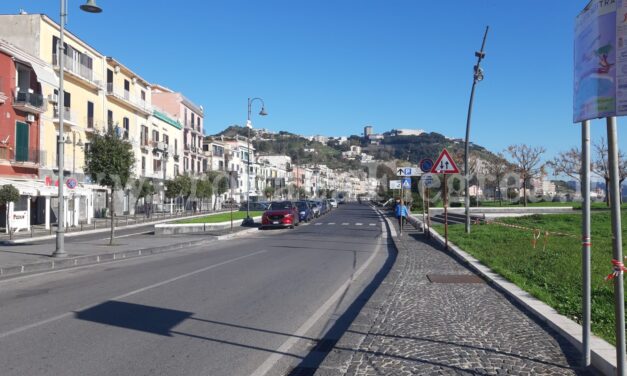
{"x":372,"y":224}
{"x":331,"y":223}
{"x":358,"y":224}
{"x":125,"y":236}
{"x":134,"y":292}
{"x":267,"y":365}
{"x":345,"y":224}
{"x":317,"y":224}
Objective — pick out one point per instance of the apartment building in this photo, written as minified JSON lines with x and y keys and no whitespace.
{"x":191,"y":116}
{"x":214,"y":150}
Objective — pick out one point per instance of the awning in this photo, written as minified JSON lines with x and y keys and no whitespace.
{"x":45,"y":74}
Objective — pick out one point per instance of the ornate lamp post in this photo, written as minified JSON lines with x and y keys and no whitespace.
{"x":249,"y":221}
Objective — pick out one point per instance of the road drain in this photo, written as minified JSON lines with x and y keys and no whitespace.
{"x":454,"y":278}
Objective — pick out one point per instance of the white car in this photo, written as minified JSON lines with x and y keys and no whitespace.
{"x":333,"y":203}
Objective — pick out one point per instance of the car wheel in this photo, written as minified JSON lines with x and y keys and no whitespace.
{"x":291,"y":227}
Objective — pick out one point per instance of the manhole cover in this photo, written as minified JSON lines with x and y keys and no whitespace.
{"x":454,"y":278}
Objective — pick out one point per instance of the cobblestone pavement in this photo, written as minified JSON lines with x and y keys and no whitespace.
{"x":415,"y":327}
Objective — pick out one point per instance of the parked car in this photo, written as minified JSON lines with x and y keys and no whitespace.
{"x":316,"y":208}
{"x":305,"y":214}
{"x":280,"y":214}
{"x":230,"y":204}
{"x":333,"y":203}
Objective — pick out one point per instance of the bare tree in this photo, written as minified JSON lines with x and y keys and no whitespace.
{"x":496,"y":167}
{"x":600,"y":166}
{"x":567,"y":163}
{"x":528,"y":163}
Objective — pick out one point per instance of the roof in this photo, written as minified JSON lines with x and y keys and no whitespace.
{"x":167,"y":119}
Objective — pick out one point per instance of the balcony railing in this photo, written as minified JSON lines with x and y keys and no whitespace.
{"x":76,"y":68}
{"x":68,"y":115}
{"x":128,"y":97}
{"x":32,"y":101}
{"x":22,"y":155}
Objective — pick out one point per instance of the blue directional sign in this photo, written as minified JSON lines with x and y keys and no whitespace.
{"x":426,"y":165}
{"x":406,"y":183}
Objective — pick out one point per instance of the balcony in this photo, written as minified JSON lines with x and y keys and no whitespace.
{"x":78,"y":71}
{"x":29,"y":102}
{"x":145,"y":143}
{"x":69,"y":117}
{"x":124,"y":97}
{"x":91,"y":125}
{"x":25,"y":157}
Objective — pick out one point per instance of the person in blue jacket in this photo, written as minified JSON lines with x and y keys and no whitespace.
{"x":401,"y":214}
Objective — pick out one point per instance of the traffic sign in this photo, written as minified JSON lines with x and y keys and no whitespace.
{"x":427,"y":180}
{"x":406,"y":183}
{"x":71,"y":183}
{"x":395,"y":184}
{"x":426,"y":164}
{"x":445,"y":164}
{"x":408,"y":171}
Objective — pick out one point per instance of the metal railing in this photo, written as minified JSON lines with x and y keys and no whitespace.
{"x":68,"y":115}
{"x":76,"y":68}
{"x":127,"y":96}
{"x":30,"y":99}
{"x":22,"y":155}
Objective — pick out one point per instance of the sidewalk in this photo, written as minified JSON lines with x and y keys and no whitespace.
{"x":422,"y":321}
{"x":39,"y":232}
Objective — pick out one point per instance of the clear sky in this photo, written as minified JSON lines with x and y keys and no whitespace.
{"x":332,"y":66}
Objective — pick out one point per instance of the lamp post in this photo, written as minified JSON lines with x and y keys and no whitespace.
{"x":74,"y":144}
{"x":89,"y":7}
{"x":477,"y":76}
{"x":249,"y":221}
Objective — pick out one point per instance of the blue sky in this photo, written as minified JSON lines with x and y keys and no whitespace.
{"x":332,"y":66}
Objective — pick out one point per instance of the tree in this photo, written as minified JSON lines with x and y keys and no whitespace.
{"x":220,"y":184}
{"x":601,"y":167}
{"x":528,"y":164}
{"x":204,"y":189}
{"x":567,"y":163}
{"x":496,"y":166}
{"x":185,"y":184}
{"x":8,"y":194}
{"x":144,"y":188}
{"x":173,"y":189}
{"x":109,"y":161}
{"x":268,"y":192}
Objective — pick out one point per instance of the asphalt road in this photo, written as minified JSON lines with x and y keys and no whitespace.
{"x":259,"y":305}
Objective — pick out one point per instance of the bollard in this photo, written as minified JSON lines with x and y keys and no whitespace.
{"x":32,"y":229}
{"x":127,"y":220}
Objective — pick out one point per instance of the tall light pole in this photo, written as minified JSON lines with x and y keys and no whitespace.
{"x":249,"y":221}
{"x":89,"y":7}
{"x":477,"y":76}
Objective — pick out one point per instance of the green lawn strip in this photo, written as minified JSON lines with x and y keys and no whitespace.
{"x":222,"y":217}
{"x":552,"y":275}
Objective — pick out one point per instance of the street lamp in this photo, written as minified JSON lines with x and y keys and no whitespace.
{"x":477,"y":76}
{"x":74,"y":144}
{"x":89,"y":7}
{"x":249,"y":221}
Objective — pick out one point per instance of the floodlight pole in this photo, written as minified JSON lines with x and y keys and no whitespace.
{"x":478,"y":76}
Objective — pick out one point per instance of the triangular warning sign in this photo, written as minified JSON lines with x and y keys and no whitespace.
{"x":445,"y":164}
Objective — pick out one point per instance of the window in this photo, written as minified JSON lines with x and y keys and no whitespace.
{"x":110,"y":79}
{"x":166,"y":139}
{"x":176,"y":170}
{"x":127,"y":88}
{"x":143,"y":137}
{"x":193,"y":120}
{"x":90,"y":114}
{"x":143,"y":96}
{"x":127,"y":127}
{"x":67,"y":99}
{"x":155,"y":136}
{"x":185,"y":115}
{"x":176,"y":146}
{"x":143,"y":165}
{"x":109,"y":120}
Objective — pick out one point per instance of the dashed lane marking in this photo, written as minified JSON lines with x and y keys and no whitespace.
{"x":345,"y":224}
{"x":358,"y":224}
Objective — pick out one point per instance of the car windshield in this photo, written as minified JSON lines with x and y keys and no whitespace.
{"x":282,"y":205}
{"x":301,"y":205}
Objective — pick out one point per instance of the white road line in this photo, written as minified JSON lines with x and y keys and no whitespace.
{"x":358,"y":224}
{"x":266,"y":366}
{"x":68,"y":314}
{"x":331,"y":223}
{"x":125,"y":236}
{"x":345,"y":224}
{"x":317,"y":224}
{"x":372,"y":224}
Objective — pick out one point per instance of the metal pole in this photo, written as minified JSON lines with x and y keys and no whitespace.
{"x":585,"y":240}
{"x":248,"y":164}
{"x":445,"y":215}
{"x":400,"y":218}
{"x":60,"y":240}
{"x":477,"y":77}
{"x":617,"y":244}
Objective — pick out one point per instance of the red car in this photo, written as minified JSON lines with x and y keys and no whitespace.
{"x":280,"y":214}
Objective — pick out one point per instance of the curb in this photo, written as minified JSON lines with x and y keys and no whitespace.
{"x":603,"y":354}
{"x":187,"y":228}
{"x":99,"y":230}
{"x":72,"y":262}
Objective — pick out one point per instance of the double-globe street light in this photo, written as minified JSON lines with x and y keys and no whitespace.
{"x":249,"y":221}
{"x":90,"y":7}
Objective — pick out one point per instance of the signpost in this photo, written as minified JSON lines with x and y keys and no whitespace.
{"x":395,"y":184}
{"x":426,"y":165}
{"x":600,"y":75}
{"x":445,"y":165}
{"x":408,"y":171}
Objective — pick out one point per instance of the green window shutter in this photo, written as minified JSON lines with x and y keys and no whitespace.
{"x":21,"y":142}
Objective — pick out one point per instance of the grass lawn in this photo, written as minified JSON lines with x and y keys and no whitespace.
{"x":222,"y":217}
{"x":552,"y":275}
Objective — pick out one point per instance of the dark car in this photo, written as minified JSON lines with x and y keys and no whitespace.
{"x":280,"y":214}
{"x":305,"y":214}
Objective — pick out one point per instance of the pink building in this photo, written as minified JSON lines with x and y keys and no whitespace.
{"x":191,"y":116}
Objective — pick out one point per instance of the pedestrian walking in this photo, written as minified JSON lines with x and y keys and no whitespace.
{"x":401,"y":214}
